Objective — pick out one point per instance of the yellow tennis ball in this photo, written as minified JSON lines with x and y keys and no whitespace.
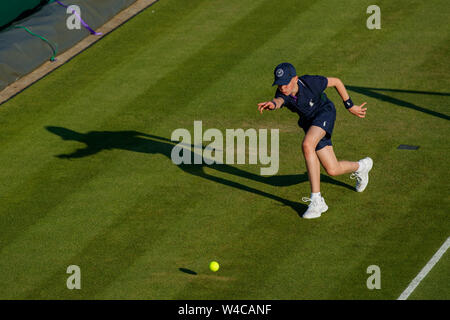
{"x":214,"y":266}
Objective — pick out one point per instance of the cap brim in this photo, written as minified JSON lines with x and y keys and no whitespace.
{"x":280,"y":82}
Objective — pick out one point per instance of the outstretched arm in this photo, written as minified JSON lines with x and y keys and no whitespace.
{"x":276,"y":103}
{"x":358,"y":111}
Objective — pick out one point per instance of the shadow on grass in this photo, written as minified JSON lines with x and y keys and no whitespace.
{"x":372,"y":92}
{"x":97,"y":141}
{"x":187,"y":271}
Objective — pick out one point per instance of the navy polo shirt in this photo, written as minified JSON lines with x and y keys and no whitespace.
{"x":310,"y":96}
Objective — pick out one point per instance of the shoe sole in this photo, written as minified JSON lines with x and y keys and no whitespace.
{"x":320,"y":214}
{"x":371,"y":165}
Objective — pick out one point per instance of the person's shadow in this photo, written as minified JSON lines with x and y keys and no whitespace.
{"x":377,"y":94}
{"x":97,"y":141}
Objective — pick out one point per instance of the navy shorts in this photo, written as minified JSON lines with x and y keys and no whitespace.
{"x":324,"y":118}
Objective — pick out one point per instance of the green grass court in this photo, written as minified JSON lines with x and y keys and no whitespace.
{"x":133,"y":221}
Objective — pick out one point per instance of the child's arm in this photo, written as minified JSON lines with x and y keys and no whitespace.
{"x":340,"y":88}
{"x":276,"y":103}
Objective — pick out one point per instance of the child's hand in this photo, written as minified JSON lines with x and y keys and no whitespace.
{"x":269,"y":105}
{"x":358,"y":111}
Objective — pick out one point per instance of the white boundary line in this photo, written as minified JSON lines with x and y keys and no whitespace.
{"x":422,"y":274}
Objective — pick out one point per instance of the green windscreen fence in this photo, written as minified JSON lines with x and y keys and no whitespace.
{"x":11,"y":10}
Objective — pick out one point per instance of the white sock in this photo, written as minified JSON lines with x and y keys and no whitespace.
{"x":315,"y":195}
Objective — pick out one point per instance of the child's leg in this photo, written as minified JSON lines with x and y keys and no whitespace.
{"x":312,"y":138}
{"x":332,"y":165}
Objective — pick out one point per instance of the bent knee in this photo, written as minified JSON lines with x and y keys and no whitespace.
{"x":333,"y":171}
{"x":308,"y":146}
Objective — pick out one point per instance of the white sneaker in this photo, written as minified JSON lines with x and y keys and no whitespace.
{"x":315,"y":208}
{"x":362,"y":174}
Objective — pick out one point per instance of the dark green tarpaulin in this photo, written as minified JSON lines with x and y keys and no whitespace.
{"x":12,"y":9}
{"x":21,"y":52}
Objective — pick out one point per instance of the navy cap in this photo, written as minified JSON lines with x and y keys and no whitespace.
{"x":283,"y":73}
